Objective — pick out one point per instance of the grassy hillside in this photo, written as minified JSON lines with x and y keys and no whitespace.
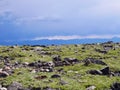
{"x":20,"y":62}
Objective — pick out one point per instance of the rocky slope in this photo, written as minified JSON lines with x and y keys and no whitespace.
{"x":60,"y":67}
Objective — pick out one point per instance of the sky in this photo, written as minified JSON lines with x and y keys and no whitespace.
{"x":59,"y":19}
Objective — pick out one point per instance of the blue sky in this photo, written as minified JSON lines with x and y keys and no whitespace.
{"x":59,"y":19}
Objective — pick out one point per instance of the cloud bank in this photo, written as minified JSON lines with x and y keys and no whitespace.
{"x":77,"y":37}
{"x":50,"y":10}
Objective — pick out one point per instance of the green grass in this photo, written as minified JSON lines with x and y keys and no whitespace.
{"x":75,"y":75}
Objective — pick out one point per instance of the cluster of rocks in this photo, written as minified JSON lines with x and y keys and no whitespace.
{"x":6,"y":59}
{"x":104,"y":71}
{"x":101,"y":51}
{"x":2,"y":88}
{"x":18,"y":86}
{"x":88,"y":61}
{"x":67,"y":61}
{"x":107,"y":46}
{"x":114,"y":86}
{"x":38,"y":66}
{"x":41,"y":66}
{"x":6,"y":71}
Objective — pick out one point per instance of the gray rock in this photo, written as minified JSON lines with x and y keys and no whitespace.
{"x":91,"y":88}
{"x":15,"y":86}
{"x":117,"y":73}
{"x":92,"y":60}
{"x":3,"y":88}
{"x":3,"y":74}
{"x":62,"y":82}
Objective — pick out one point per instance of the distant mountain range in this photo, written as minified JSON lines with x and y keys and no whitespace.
{"x":57,"y":42}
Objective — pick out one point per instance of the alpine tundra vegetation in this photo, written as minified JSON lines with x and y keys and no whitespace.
{"x":60,"y":67}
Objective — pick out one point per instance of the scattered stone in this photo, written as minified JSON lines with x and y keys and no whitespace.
{"x":48,"y":88}
{"x":115,"y":86}
{"x":3,"y":74}
{"x":41,"y":77}
{"x":56,"y":58}
{"x":3,"y":88}
{"x":91,"y":88}
{"x":44,"y":88}
{"x":101,"y":51}
{"x":15,"y":86}
{"x":20,"y":73}
{"x":31,"y":64}
{"x":60,"y":70}
{"x":71,"y":60}
{"x":36,"y":88}
{"x":62,"y":82}
{"x":55,"y":76}
{"x":95,"y":72}
{"x":116,"y":73}
{"x":33,"y":71}
{"x":26,"y":63}
{"x":92,"y":60}
{"x":57,"y":61}
{"x":67,"y":61}
{"x":6,"y":68}
{"x":105,"y":71}
{"x":38,"y":48}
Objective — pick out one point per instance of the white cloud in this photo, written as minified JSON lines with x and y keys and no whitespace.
{"x":36,"y":19}
{"x":77,"y":37}
{"x":102,"y":9}
{"x":58,"y":37}
{"x":62,"y":8}
{"x":28,"y":11}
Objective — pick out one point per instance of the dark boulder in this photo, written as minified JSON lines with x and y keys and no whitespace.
{"x":55,"y":76}
{"x":92,"y":60}
{"x":71,"y":60}
{"x":115,"y":86}
{"x":31,"y":64}
{"x":56,"y":58}
{"x":57,"y":61}
{"x":105,"y":71}
{"x":3,"y":74}
{"x":36,"y":88}
{"x":95,"y":72}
